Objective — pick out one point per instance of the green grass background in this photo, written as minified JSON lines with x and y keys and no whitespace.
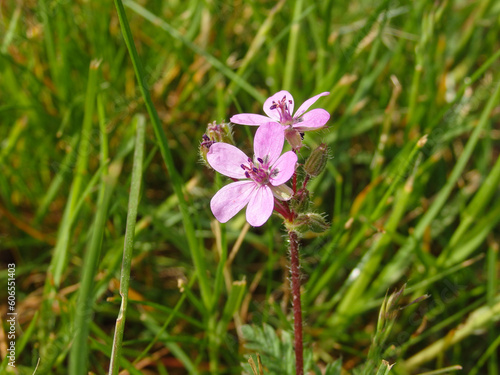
{"x":411,"y":187}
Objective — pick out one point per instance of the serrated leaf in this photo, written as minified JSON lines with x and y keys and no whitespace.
{"x":277,"y":353}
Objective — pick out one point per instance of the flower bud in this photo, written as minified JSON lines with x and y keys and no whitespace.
{"x":316,"y":162}
{"x":300,"y":224}
{"x":220,"y":132}
{"x":215,"y":133}
{"x":310,"y":222}
{"x":300,"y":201}
{"x":317,"y":223}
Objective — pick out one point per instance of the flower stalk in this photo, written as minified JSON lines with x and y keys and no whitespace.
{"x":297,"y":307}
{"x":260,"y":183}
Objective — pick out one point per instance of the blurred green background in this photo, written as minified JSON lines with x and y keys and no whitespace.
{"x":411,"y":187}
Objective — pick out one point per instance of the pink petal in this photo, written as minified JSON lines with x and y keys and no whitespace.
{"x":260,"y":207}
{"x":249,"y":119}
{"x":309,"y":102}
{"x":312,"y":120}
{"x":229,"y":200}
{"x":282,"y":192}
{"x":227,"y":159}
{"x":268,"y":142}
{"x":273,"y":113}
{"x":286,"y":167}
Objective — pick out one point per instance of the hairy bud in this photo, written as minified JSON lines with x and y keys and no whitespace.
{"x":300,"y":201}
{"x":215,"y":133}
{"x":220,"y":132}
{"x":316,"y":162}
{"x":317,"y":223}
{"x":311,"y":222}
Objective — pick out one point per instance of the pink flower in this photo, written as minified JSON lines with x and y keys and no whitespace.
{"x":263,"y":178}
{"x":279,"y":108}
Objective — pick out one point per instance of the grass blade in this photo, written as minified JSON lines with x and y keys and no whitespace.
{"x":129,"y":243}
{"x":167,"y":156}
{"x":78,"y":359}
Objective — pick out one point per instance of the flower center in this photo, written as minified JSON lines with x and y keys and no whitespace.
{"x":259,"y":171}
{"x":282,"y":108}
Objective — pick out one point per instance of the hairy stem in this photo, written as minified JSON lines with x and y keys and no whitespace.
{"x":297,"y":309}
{"x":306,"y":180}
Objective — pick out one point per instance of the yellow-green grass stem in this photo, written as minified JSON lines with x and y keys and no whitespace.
{"x":194,"y":245}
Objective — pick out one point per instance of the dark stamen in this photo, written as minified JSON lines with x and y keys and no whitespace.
{"x":207,"y":143}
{"x":260,"y":160}
{"x":247,"y":175}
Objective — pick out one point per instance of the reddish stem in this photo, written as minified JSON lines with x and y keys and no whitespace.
{"x":283,"y":209}
{"x":306,"y":180}
{"x":297,"y":308}
{"x":294,"y":182}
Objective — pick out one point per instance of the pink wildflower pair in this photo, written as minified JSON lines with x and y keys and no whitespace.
{"x":263,"y":178}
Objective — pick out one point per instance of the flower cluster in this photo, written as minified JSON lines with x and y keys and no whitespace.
{"x":260,"y":181}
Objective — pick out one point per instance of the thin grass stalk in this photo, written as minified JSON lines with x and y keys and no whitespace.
{"x":444,"y":370}
{"x":478,"y":319}
{"x":223,"y":253}
{"x":162,"y":331}
{"x":297,"y":308}
{"x":49,"y":44}
{"x":467,"y":83}
{"x":470,"y":24}
{"x":473,"y":210}
{"x":217,"y":64}
{"x":373,"y":257}
{"x":188,"y":362}
{"x":490,"y":353}
{"x":10,"y":33}
{"x":459,"y":167}
{"x":78,"y":359}
{"x":59,"y":259}
{"x":378,"y":157}
{"x":194,"y":248}
{"x":103,"y":134}
{"x":491,"y":290}
{"x":58,"y":179}
{"x":395,"y":269}
{"x":21,"y":343}
{"x":256,"y":45}
{"x":13,"y":137}
{"x":484,"y":226}
{"x":291,"y":53}
{"x":128,"y":248}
